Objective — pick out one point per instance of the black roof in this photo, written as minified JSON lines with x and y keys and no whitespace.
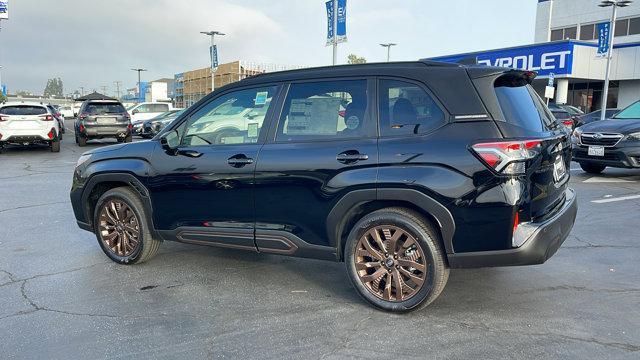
{"x":95,"y":96}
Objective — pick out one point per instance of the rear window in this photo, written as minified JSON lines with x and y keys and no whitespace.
{"x":561,"y":115}
{"x":23,"y":110}
{"x":104,"y":108}
{"x":521,"y":105}
{"x":631,"y":112}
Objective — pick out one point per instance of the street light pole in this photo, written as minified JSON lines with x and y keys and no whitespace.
{"x":388,"y":46}
{"x":335,"y":32}
{"x":139,"y":70}
{"x":605,"y":91}
{"x":212,"y":34}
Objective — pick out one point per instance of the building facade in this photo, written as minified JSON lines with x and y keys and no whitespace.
{"x":193,"y":85}
{"x":565,"y":46}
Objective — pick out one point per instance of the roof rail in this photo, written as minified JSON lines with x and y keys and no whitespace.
{"x":438,"y":63}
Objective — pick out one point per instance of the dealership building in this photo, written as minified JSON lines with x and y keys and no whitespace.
{"x":565,"y":48}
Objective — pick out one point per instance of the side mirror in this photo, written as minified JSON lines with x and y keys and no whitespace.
{"x":170,"y":141}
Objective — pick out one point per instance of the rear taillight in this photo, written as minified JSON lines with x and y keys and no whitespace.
{"x":568,"y":123}
{"x":4,"y":118}
{"x":82,"y":116}
{"x":508,"y":157}
{"x":130,"y":126}
{"x":127,"y":116}
{"x":81,"y":128}
{"x":51,"y":133}
{"x":46,"y":117}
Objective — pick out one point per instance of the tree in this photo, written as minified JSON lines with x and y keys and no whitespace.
{"x":354,"y":59}
{"x":54,"y":88}
{"x":2,"y":97}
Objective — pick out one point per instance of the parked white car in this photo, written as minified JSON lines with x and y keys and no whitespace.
{"x":26,"y":123}
{"x":148,"y":110}
{"x":76,"y":107}
{"x":66,"y":111}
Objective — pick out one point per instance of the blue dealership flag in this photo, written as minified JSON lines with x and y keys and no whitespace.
{"x":341,"y":35}
{"x":603,"y":30}
{"x":214,"y":56}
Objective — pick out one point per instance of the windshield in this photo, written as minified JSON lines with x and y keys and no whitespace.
{"x":630,"y":112}
{"x":104,"y":108}
{"x":23,"y":110}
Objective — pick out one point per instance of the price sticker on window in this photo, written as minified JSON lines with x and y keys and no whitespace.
{"x":261,"y":98}
{"x":252,"y":130}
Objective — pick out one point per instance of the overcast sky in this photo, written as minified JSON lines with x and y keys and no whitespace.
{"x":93,"y":43}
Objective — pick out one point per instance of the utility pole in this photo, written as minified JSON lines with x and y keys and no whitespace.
{"x":139,"y":70}
{"x":388,"y":46}
{"x":104,"y":89}
{"x":214,"y":62}
{"x":549,"y":22}
{"x":605,"y":91}
{"x":81,"y":91}
{"x":117,"y":84}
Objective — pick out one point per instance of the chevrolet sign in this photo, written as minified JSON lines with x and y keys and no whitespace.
{"x":556,"y":58}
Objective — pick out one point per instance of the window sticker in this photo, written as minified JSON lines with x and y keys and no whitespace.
{"x":352,"y":122}
{"x":261,"y":98}
{"x":313,"y":116}
{"x":252,"y":130}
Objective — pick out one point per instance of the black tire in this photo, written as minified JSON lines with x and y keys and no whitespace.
{"x":147,"y":246}
{"x":592,"y":168}
{"x":411,"y":222}
{"x":82,"y":141}
{"x":128,"y":138}
{"x":55,"y":145}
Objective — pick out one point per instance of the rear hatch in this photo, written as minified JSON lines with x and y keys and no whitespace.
{"x":25,"y":117}
{"x":522,"y":117}
{"x":104,"y":114}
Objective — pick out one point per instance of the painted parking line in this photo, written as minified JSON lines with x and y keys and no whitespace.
{"x":614,"y":199}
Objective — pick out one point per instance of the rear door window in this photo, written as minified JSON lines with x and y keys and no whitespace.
{"x":521,"y":105}
{"x":23,"y":110}
{"x":159,"y":108}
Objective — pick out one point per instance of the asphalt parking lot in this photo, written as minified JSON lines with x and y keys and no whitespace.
{"x":62,"y":298}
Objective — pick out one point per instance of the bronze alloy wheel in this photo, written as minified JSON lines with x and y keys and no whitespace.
{"x":119,"y":228}
{"x":390,"y":263}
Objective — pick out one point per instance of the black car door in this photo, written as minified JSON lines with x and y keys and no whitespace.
{"x":202,"y":191}
{"x":323,"y":146}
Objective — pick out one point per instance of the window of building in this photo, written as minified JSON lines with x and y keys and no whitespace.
{"x":233,"y":118}
{"x":588,"y":32}
{"x":406,"y":109}
{"x":325,"y":110}
{"x":622,"y":27}
{"x":570,"y":32}
{"x":634,"y":26}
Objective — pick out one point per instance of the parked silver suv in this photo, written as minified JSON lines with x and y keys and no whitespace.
{"x":99,"y":119}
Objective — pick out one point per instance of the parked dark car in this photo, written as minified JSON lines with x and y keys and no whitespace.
{"x":432,"y":166}
{"x":139,"y":128}
{"x":99,"y":119}
{"x":59,"y":118}
{"x":563,"y":116}
{"x":155,"y":126}
{"x":594,"y":116}
{"x":613,"y":142}
{"x":574,"y":111}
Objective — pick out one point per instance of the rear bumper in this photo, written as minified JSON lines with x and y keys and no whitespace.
{"x":623,"y":157}
{"x":102,"y":130}
{"x":543,"y":241}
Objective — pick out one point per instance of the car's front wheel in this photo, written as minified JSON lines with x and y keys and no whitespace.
{"x":122,"y":229}
{"x":592,"y":168}
{"x":395,"y":260}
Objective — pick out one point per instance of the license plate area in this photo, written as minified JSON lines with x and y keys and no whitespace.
{"x":595,"y":151}
{"x":106,"y":120}
{"x":559,"y":169}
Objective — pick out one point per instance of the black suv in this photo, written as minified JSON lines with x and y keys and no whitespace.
{"x":99,"y":119}
{"x":401,"y":170}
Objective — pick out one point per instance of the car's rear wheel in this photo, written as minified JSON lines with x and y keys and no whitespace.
{"x":81,"y":140}
{"x":592,"y":168}
{"x":122,"y":229}
{"x":395,"y":260}
{"x":128,"y":138}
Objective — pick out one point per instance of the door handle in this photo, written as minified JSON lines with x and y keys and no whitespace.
{"x":190,"y":153}
{"x":351,"y":156}
{"x":239,"y":160}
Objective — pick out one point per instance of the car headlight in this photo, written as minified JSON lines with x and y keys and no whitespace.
{"x":575,"y":136}
{"x":633,"y":137}
{"x":82,"y":159}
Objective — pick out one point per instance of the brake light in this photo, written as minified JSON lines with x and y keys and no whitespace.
{"x":130,"y":126}
{"x":46,"y":117}
{"x":508,"y":157}
{"x":81,"y":128}
{"x":4,"y":118}
{"x":516,"y":222}
{"x":568,"y":122}
{"x":51,"y":133}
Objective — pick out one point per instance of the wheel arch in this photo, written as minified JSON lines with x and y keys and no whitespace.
{"x":98,"y":184}
{"x":354,"y":205}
